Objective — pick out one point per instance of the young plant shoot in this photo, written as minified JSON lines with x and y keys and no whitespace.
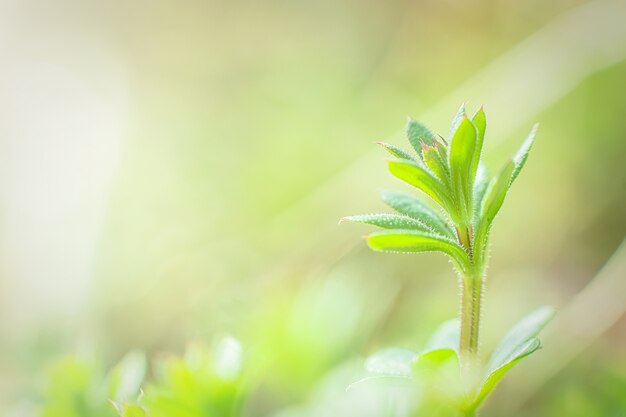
{"x":464,"y":202}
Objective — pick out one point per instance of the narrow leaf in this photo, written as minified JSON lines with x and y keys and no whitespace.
{"x":456,"y":120}
{"x":446,"y":336}
{"x":391,"y":362}
{"x":460,"y":162}
{"x":397,"y":152}
{"x":413,"y":207}
{"x":412,"y":241}
{"x":522,"y":154}
{"x":417,"y":134}
{"x":421,"y":179}
{"x":480,"y":122}
{"x":526,"y":329}
{"x":434,"y":162}
{"x":480,"y":188}
{"x":389,"y":221}
{"x":518,"y":343}
{"x":494,"y":196}
{"x":496,"y":375}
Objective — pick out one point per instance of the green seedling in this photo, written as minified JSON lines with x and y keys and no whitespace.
{"x":464,"y":203}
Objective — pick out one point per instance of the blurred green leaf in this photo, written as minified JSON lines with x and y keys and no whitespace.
{"x":389,"y":221}
{"x":132,"y":410}
{"x":126,"y":377}
{"x":420,"y":178}
{"x":392,"y":362}
{"x":519,"y":342}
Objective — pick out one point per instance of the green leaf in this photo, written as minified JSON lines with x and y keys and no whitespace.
{"x":522,"y":154}
{"x":456,"y":120}
{"x":125,"y":379}
{"x":518,"y":343}
{"x":494,"y":197}
{"x":417,"y":134}
{"x":389,"y":221}
{"x":413,"y":207}
{"x":421,"y":179}
{"x":460,"y":162}
{"x":526,"y":329}
{"x":446,"y":336}
{"x":434,"y":162}
{"x":494,"y":377}
{"x":480,"y":188}
{"x":397,"y":152}
{"x":413,"y":241}
{"x":391,"y":362}
{"x":480,"y":122}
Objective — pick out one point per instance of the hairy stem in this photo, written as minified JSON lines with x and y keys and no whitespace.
{"x":470,"y":325}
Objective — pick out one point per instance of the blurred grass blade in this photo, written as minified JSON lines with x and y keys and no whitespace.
{"x":421,"y":179}
{"x":412,"y":241}
{"x":391,"y":362}
{"x":413,"y":207}
{"x":522,"y":154}
{"x":389,"y":221}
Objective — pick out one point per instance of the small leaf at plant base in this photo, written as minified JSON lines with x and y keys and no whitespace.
{"x":413,"y":207}
{"x":413,"y":241}
{"x":442,"y":346}
{"x":497,"y":374}
{"x":397,"y":152}
{"x":391,"y":362}
{"x":421,"y":179}
{"x":417,"y":134}
{"x":389,"y":221}
{"x":518,"y":343}
{"x":460,"y":162}
{"x":522,"y":154}
{"x":525,"y":329}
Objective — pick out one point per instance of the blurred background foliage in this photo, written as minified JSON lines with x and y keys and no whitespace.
{"x":174,"y":171}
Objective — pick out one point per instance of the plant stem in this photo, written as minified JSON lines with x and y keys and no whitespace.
{"x":470,"y":324}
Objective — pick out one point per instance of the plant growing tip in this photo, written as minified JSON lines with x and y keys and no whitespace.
{"x":464,"y":201}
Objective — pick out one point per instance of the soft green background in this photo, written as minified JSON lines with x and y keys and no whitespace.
{"x":245,"y":132}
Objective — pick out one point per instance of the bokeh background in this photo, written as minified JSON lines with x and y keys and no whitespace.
{"x":173,"y":171}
